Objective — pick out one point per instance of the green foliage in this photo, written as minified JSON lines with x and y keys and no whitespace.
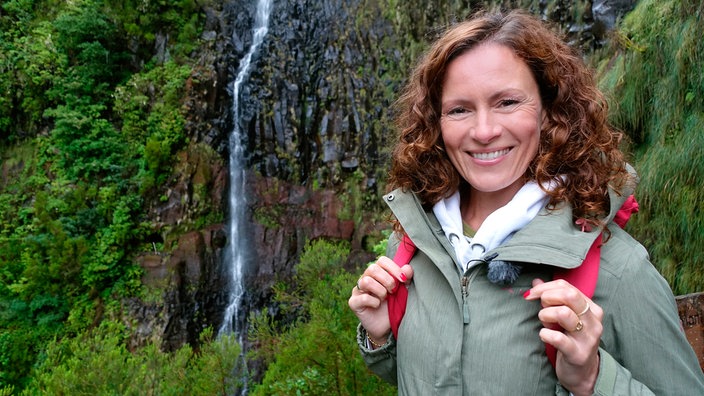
{"x":69,"y":60}
{"x":353,"y":198}
{"x":71,"y":213}
{"x":27,"y":65}
{"x":87,"y":145}
{"x":152,"y":117}
{"x":86,"y":38}
{"x":317,"y":354}
{"x":269,"y":216}
{"x":18,"y":347}
{"x":658,"y":100}
{"x":108,"y":264}
{"x":145,"y":21}
{"x":98,"y":363}
{"x":48,"y":254}
{"x":379,"y":248}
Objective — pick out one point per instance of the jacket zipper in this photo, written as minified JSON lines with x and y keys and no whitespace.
{"x":466,"y":280}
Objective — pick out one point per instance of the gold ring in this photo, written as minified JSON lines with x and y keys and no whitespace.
{"x":585,"y":310}
{"x":580,"y":326}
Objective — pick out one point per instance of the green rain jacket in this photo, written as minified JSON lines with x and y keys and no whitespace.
{"x":495,"y":349}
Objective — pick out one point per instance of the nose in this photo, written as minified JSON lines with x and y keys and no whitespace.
{"x":486,"y":128}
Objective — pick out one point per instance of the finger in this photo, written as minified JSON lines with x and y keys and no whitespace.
{"x":576,"y":347}
{"x":559,"y":292}
{"x":585,"y":310}
{"x":370,"y":284}
{"x":388,"y":273}
{"x":393,"y":269}
{"x":408,"y":271}
{"x":360,"y":302}
{"x":537,"y":281}
{"x":541,"y":288}
{"x":566,"y":345}
{"x":571,"y":298}
{"x":377,"y":280}
{"x":558,"y":339}
{"x":561,"y":316}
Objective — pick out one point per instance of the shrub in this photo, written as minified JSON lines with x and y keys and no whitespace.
{"x":317,"y":354}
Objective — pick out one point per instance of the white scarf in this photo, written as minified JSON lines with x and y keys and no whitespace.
{"x":498,"y":227}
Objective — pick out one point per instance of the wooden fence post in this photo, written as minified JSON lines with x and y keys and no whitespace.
{"x":691,"y":311}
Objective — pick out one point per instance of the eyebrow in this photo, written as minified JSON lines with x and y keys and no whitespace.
{"x":511,"y":91}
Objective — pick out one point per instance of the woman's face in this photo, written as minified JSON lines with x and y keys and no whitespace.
{"x":491,"y":118}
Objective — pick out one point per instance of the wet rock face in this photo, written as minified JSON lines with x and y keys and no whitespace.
{"x":190,"y":283}
{"x":607,"y":12}
{"x":183,"y":276}
{"x":189,"y":291}
{"x":286,"y":217}
{"x":313,"y":104}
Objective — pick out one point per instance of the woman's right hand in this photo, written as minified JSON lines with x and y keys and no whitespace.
{"x":368,"y":300}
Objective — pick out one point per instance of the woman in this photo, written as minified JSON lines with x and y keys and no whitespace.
{"x":506,"y":172}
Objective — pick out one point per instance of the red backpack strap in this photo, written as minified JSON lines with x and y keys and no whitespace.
{"x":629,"y":207}
{"x":397,"y":300}
{"x":585,"y":276}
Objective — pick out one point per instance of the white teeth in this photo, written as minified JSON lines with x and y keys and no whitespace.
{"x":490,"y":156}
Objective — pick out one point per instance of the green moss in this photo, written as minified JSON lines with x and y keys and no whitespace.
{"x":269,"y":216}
{"x":652,"y":78}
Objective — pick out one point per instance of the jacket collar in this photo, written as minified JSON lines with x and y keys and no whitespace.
{"x":551,"y":238}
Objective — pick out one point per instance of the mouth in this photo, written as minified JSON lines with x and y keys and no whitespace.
{"x":490,"y":155}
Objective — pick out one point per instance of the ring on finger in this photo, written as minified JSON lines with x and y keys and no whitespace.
{"x":579,"y":327}
{"x":586,"y":309}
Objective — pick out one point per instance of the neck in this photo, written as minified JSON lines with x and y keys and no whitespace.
{"x":476,"y":205}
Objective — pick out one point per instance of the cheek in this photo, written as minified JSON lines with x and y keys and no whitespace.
{"x":534,"y":148}
{"x":536,"y":139}
{"x":450,"y":136}
{"x":532,"y":133}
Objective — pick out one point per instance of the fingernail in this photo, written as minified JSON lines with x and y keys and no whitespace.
{"x":403,"y":277}
{"x":526,"y":294}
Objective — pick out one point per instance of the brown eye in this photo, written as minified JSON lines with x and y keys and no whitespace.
{"x":508,"y":102}
{"x":457,"y":113}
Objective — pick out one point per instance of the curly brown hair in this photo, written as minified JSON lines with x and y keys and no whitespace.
{"x":576,"y":139}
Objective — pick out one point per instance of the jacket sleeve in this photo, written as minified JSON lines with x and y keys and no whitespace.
{"x":381,"y":361}
{"x":614,"y":379}
{"x":644,"y":348}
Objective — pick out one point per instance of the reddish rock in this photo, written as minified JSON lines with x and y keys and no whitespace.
{"x":193,"y":278}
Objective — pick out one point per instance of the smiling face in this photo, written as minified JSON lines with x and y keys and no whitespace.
{"x":491,"y":118}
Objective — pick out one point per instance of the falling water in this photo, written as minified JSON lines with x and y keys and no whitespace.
{"x":232,"y":321}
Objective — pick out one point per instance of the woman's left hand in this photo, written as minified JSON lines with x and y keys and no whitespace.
{"x":577,"y":342}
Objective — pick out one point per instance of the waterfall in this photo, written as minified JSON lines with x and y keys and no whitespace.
{"x":235,"y":257}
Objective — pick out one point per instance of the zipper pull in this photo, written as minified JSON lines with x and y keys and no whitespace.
{"x":465,"y":292}
{"x":465,"y":282}
{"x":465,"y":306}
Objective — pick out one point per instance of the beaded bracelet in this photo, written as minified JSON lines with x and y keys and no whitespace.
{"x":373,"y":343}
